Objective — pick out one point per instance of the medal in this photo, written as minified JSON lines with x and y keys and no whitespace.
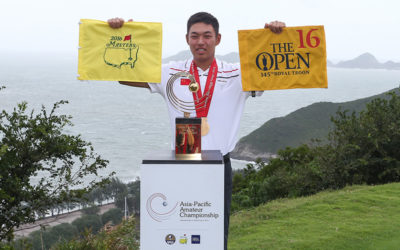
{"x":203,"y":99}
{"x":204,"y":126}
{"x":194,"y":87}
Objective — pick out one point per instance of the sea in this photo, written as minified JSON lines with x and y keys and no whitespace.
{"x":126,"y":124}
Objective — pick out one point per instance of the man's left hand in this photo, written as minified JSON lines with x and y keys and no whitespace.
{"x":275,"y":26}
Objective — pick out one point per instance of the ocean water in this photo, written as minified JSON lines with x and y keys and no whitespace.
{"x":127,"y":124}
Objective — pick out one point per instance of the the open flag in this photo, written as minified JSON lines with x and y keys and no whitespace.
{"x":296,"y":58}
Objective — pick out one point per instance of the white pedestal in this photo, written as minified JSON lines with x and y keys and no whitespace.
{"x":182,"y":202}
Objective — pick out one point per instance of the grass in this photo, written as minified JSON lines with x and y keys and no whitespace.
{"x":357,"y":217}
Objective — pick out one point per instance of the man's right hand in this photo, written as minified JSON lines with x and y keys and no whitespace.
{"x":117,"y":22}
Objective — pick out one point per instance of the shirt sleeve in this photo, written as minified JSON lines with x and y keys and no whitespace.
{"x":155,"y":87}
{"x":160,"y":87}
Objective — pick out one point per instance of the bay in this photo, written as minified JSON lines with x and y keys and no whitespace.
{"x":126,"y":124}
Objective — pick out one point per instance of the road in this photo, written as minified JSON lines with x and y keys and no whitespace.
{"x":26,"y":229}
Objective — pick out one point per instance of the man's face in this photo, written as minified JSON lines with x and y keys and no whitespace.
{"x":202,"y":41}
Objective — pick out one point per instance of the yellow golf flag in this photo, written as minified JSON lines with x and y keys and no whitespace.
{"x":131,"y":53}
{"x":295,"y":58}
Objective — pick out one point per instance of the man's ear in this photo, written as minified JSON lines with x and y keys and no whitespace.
{"x":218,"y":39}
{"x":187,"y":38}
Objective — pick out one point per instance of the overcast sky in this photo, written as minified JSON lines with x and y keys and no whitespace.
{"x":352,"y":26}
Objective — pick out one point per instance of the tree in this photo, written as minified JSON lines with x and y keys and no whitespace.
{"x":41,"y":166}
{"x":47,"y":237}
{"x":93,"y":209}
{"x":123,"y":236}
{"x":365,"y":147}
{"x":90,"y":222}
{"x":134,"y":195}
{"x":113,"y":215}
{"x":362,"y":148}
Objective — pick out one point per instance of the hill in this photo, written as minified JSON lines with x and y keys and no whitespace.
{"x":364,"y":61}
{"x":357,"y":217}
{"x":232,"y":57}
{"x":298,"y":127}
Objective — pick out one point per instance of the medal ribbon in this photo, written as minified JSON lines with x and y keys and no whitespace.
{"x":201,"y":107}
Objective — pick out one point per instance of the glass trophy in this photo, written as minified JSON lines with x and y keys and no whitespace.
{"x":188,"y":130}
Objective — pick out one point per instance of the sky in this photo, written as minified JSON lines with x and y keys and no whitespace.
{"x":352,"y":27}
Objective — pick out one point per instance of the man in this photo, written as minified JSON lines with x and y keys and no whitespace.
{"x":219,"y":80}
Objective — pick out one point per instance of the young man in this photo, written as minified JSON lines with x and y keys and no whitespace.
{"x":219,"y":80}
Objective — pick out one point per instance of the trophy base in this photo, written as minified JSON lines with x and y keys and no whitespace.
{"x":195,"y":156}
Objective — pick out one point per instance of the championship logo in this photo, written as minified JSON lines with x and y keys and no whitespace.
{"x":157,"y":207}
{"x":121,"y":51}
{"x":282,"y":61}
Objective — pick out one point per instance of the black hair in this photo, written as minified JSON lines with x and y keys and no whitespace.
{"x":203,"y":17}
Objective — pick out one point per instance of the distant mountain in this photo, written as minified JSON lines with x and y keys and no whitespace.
{"x":364,"y":61}
{"x":232,"y":57}
{"x":183,"y":55}
{"x":329,"y":63}
{"x":298,"y":127}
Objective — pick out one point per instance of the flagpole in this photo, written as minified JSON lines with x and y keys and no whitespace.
{"x":130,"y":47}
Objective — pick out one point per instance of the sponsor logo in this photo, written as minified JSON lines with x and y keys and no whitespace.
{"x":170,"y":239}
{"x":196,"y":239}
{"x":183,"y":239}
{"x":158,"y":208}
{"x":121,"y":50}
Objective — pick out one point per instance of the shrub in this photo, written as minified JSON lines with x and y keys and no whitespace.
{"x":122,"y":236}
{"x":90,"y":222}
{"x":362,"y":149}
{"x":93,"y":209}
{"x":113,"y":215}
{"x":365,"y":147}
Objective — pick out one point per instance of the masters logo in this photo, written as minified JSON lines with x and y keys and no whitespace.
{"x":121,"y":51}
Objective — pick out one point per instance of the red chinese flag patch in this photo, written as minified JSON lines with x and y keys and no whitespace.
{"x":185,"y":81}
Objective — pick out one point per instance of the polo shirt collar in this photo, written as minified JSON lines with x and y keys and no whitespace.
{"x":199,"y":69}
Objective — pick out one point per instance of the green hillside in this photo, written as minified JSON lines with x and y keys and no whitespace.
{"x":358,"y":217}
{"x":298,"y":127}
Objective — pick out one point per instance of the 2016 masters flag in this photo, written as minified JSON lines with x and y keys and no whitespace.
{"x":295,"y":58}
{"x":131,"y":53}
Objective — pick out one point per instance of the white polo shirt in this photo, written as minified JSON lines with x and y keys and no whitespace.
{"x":226,"y":106}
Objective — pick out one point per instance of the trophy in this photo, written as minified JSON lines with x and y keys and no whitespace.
{"x":188,"y":129}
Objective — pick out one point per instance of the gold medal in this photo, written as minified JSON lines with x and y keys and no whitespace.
{"x":193,"y":87}
{"x":205,"y":128}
